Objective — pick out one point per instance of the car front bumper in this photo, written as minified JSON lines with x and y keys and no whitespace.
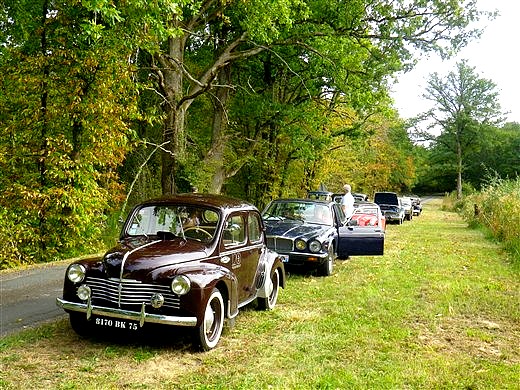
{"x":140,"y":316}
{"x":299,"y":258}
{"x":393,"y":217}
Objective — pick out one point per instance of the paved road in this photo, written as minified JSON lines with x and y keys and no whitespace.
{"x":28,"y":297}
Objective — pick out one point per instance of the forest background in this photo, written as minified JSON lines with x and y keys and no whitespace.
{"x":105,"y":103}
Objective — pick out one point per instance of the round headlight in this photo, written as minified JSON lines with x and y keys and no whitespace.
{"x":300,"y":244}
{"x":76,"y":273}
{"x":314,"y":246}
{"x":83,"y":292}
{"x":181,"y":285}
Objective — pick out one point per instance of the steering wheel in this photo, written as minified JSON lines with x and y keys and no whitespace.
{"x":198,"y":229}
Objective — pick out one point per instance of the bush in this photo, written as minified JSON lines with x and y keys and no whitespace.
{"x":11,"y":236}
{"x":497,"y":207}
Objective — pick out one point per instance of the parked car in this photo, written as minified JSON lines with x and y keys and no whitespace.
{"x":389,"y":204}
{"x":338,"y":197}
{"x":367,"y":214}
{"x":320,"y":195}
{"x":416,"y":203}
{"x":406,"y":204}
{"x":358,"y":197}
{"x":187,"y":260}
{"x":312,"y":233}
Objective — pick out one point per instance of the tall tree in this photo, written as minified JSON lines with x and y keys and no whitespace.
{"x":464,"y":104}
{"x":173,"y":33}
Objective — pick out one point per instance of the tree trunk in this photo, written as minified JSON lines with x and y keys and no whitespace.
{"x":171,"y":81}
{"x":459,"y":170}
{"x":215,"y":156}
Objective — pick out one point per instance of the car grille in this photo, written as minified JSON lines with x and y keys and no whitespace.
{"x":279,"y":244}
{"x":131,"y":293}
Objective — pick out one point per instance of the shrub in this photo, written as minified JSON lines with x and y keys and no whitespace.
{"x":497,"y":207}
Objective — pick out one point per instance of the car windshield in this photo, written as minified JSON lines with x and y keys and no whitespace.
{"x":174,"y":221}
{"x":299,"y":211}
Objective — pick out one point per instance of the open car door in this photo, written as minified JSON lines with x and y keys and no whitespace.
{"x":360,"y":240}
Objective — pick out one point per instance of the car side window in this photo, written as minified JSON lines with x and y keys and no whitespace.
{"x":254,"y":225}
{"x":340,"y":215}
{"x":234,"y":231}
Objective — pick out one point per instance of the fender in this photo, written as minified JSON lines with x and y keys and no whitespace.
{"x":270,"y":262}
{"x":219,"y":277}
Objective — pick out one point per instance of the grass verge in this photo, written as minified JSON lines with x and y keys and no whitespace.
{"x":441,"y":309}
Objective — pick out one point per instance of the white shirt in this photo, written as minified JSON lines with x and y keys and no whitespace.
{"x":347,"y":203}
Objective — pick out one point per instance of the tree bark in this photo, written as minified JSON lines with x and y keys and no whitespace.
{"x":171,"y":81}
{"x":215,"y":156}
{"x":459,"y":170}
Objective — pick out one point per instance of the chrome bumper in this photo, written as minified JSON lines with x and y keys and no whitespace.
{"x":141,"y":316}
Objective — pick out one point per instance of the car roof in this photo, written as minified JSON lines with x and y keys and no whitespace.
{"x":302,"y":200}
{"x":319,"y":192}
{"x":201,"y":199}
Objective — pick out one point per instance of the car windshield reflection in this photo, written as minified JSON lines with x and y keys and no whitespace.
{"x":299,"y":211}
{"x":169,"y":221}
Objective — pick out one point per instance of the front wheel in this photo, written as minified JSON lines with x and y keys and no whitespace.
{"x":327,"y":267}
{"x":270,"y":302}
{"x":208,"y":333}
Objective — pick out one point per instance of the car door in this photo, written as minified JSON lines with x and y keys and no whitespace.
{"x":242,"y":254}
{"x":359,"y":240}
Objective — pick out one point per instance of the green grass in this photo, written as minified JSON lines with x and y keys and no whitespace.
{"x":441,"y":309}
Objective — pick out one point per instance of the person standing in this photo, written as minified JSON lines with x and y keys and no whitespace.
{"x":347,"y":202}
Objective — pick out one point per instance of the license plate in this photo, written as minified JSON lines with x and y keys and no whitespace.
{"x":285,"y":258}
{"x":116,"y":323}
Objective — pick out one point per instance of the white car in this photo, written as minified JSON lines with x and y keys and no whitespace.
{"x":406,"y":204}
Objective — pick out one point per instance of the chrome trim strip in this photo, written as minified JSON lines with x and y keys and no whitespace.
{"x":125,"y":257}
{"x":141,"y":316}
{"x":290,"y":230}
{"x":132,"y":251}
{"x":238,"y":250}
{"x":248,"y":301}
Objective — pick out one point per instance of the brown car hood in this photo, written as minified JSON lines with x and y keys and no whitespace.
{"x":142,"y":258}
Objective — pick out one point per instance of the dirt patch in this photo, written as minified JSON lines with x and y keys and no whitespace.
{"x":478,"y":337}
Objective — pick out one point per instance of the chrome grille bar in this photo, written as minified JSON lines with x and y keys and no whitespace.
{"x":130,"y":292}
{"x":280,"y":244}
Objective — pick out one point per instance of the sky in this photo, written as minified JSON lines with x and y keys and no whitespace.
{"x":495,"y":56}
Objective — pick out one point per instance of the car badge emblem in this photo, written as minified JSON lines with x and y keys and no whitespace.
{"x":225,"y":259}
{"x":157,"y":300}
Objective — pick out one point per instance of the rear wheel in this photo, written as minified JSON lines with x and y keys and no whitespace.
{"x":270,"y":302}
{"x":209,"y":332}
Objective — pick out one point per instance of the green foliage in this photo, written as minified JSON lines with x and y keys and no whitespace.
{"x":493,"y":152}
{"x":66,"y":102}
{"x":319,"y":51}
{"x":254,"y":99}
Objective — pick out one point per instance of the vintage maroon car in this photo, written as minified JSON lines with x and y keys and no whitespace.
{"x":188,"y":260}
